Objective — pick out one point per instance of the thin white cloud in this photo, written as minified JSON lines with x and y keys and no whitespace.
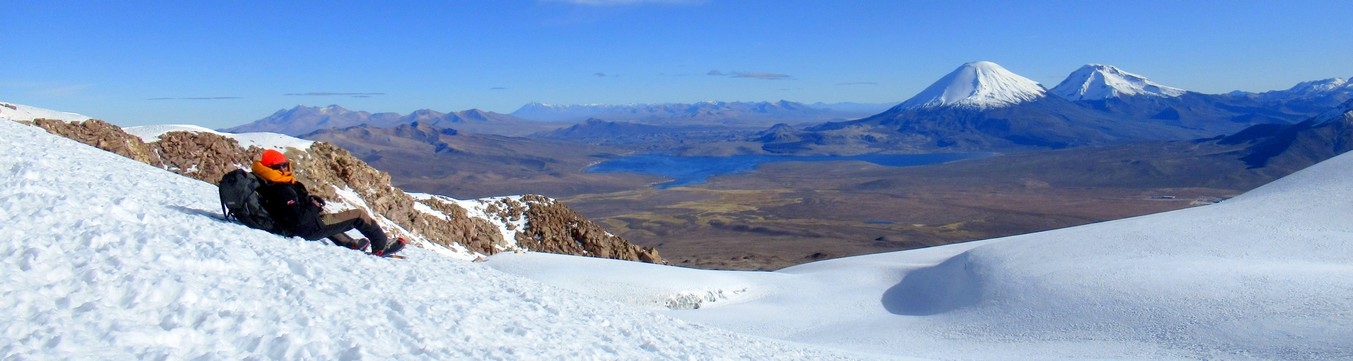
{"x":766,"y":76}
{"x":749,"y":75}
{"x":197,"y":98}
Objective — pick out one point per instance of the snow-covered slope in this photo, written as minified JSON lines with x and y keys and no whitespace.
{"x":19,"y":112}
{"x":1267,"y":275}
{"x":1316,"y":87}
{"x":1098,"y":82}
{"x":979,"y":85}
{"x":687,"y":113}
{"x":106,"y":258}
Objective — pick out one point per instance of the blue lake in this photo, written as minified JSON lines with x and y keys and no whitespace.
{"x":696,"y":170}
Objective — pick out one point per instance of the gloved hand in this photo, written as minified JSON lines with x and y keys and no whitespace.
{"x":319,"y":202}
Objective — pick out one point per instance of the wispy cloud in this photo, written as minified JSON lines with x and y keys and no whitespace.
{"x":196,"y":98}
{"x":334,"y":94}
{"x":767,"y":76}
{"x":750,"y":75}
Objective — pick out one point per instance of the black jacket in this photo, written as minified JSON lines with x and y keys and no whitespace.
{"x":290,"y":206}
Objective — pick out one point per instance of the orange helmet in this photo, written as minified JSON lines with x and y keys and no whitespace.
{"x":273,"y":158}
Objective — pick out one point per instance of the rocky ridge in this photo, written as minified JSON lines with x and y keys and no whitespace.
{"x":502,"y":224}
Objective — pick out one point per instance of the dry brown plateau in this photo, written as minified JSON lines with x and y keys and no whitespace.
{"x":790,"y":213}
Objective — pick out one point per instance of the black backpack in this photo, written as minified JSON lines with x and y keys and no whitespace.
{"x":240,"y":201}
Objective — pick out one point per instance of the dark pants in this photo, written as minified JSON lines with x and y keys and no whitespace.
{"x":333,"y":225}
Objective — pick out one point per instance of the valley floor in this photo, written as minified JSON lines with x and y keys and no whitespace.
{"x":784,"y":214}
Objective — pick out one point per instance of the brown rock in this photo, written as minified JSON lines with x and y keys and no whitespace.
{"x":202,"y":156}
{"x":552,"y":227}
{"x":102,"y":135}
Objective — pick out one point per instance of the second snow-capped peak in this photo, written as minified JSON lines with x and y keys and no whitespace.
{"x":1098,"y":82}
{"x":979,"y":85}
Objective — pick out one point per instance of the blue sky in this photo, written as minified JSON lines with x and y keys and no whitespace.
{"x":224,"y":63}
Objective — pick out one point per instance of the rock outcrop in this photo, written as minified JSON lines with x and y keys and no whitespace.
{"x":102,"y":135}
{"x":202,"y":156}
{"x":553,"y":227}
{"x":530,"y":222}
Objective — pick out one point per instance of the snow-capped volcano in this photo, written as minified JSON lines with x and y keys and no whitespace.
{"x":980,"y":85}
{"x":1098,"y":82}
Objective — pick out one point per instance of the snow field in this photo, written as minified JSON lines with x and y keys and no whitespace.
{"x":635,"y":284}
{"x":107,"y":258}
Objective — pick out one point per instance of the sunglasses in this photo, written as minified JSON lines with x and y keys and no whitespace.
{"x":282,"y":166}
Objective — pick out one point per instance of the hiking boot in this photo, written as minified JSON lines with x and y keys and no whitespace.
{"x":359,"y":244}
{"x":392,"y":248}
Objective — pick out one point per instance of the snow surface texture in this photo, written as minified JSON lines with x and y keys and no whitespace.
{"x":979,"y":85}
{"x":109,"y":259}
{"x":1099,"y":82}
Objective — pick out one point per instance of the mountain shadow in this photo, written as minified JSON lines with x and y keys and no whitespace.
{"x":1298,"y":145}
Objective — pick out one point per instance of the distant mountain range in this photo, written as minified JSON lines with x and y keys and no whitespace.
{"x":710,"y":112}
{"x":302,"y":120}
{"x":538,"y":117}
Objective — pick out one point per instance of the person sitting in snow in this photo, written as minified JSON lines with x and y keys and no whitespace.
{"x":299,"y":213}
